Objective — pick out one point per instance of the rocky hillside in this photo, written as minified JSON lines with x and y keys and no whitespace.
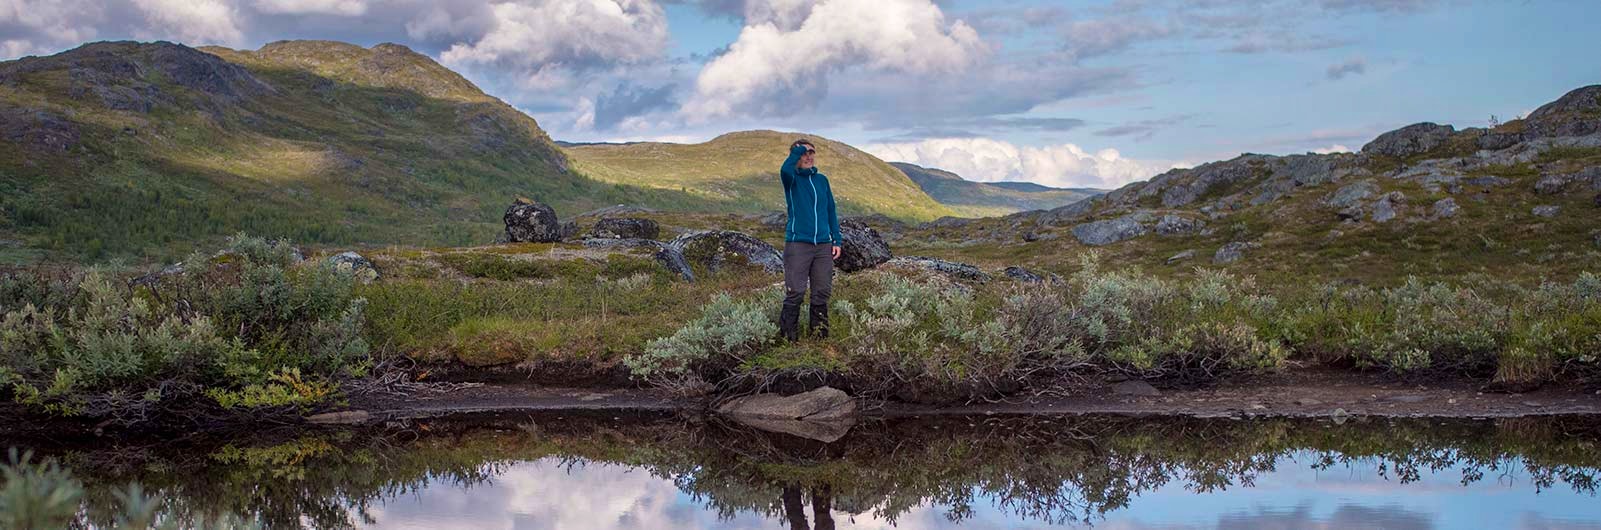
{"x":1520,"y":200}
{"x":144,"y":149}
{"x":986,"y":199}
{"x":739,"y":172}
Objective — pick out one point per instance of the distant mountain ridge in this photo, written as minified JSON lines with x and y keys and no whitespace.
{"x":985,"y":199}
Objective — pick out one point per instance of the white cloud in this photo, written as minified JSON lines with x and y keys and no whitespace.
{"x":15,"y":48}
{"x":771,"y":70}
{"x":1336,"y":148}
{"x":989,"y":160}
{"x":573,"y":33}
{"x":193,"y":22}
{"x":349,"y":8}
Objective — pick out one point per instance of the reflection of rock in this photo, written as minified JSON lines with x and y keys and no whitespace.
{"x":824,"y":414}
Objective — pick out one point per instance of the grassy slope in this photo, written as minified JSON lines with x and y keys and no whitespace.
{"x":980,"y":199}
{"x":350,"y":145}
{"x":740,"y":170}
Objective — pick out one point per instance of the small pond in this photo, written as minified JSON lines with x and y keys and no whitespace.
{"x":639,"y":470}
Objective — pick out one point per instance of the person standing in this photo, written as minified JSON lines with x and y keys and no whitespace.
{"x":811,"y":241}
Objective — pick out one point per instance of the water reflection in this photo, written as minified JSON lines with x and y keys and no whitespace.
{"x":656,"y":471}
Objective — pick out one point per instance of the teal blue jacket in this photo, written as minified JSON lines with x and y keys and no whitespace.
{"x":809,"y":203}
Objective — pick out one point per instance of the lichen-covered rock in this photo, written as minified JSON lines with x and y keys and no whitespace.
{"x":1547,"y":211}
{"x":626,"y":228}
{"x":1414,"y":139}
{"x":951,"y":269}
{"x":356,"y":264}
{"x":1388,"y":207}
{"x":1108,"y":231}
{"x":1444,"y":209}
{"x":1351,"y":195}
{"x":1174,"y":225}
{"x":716,"y":250}
{"x":1027,"y":276}
{"x":1232,"y":252}
{"x":1495,"y":141}
{"x":863,"y":248}
{"x":669,"y":257}
{"x":528,"y":221}
{"x":824,"y":414}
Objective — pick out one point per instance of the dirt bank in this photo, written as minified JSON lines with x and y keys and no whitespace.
{"x":1300,"y":393}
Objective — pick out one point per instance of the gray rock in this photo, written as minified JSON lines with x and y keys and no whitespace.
{"x":951,"y":269}
{"x":1187,"y":254}
{"x":863,"y":248}
{"x":1106,"y":232}
{"x":528,"y":221}
{"x":1547,"y":211}
{"x":1135,"y":387}
{"x":1411,"y":140}
{"x":1487,"y":182}
{"x":1233,"y":252}
{"x":947,"y":222}
{"x":568,"y":229}
{"x":619,"y":210}
{"x":824,"y":414}
{"x":718,"y":249}
{"x":1351,"y":195}
{"x":1552,"y":184}
{"x":1497,"y":141}
{"x":773,"y":219}
{"x":626,"y":228}
{"x":356,"y":265}
{"x":1444,"y":209}
{"x":1388,"y":206}
{"x":1027,"y":276}
{"x":667,"y":256}
{"x":41,"y":130}
{"x":1173,"y":225}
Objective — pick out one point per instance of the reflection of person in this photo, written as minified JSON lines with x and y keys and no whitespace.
{"x":811,"y":241}
{"x":795,"y":512}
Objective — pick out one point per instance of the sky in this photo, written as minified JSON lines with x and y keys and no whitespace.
{"x":1062,"y":93}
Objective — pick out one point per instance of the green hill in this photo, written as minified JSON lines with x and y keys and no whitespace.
{"x":740,"y":170}
{"x":124,"y":149}
{"x":986,"y":199}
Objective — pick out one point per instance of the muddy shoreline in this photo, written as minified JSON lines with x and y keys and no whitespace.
{"x":1301,"y":393}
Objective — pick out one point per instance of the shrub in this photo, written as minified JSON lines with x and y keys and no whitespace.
{"x":727,"y":332}
{"x":248,"y":327}
{"x":1409,"y":328}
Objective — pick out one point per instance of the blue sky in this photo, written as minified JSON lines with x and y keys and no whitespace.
{"x":1095,"y":93}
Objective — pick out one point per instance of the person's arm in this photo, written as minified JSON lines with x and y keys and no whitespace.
{"x":788,"y":172}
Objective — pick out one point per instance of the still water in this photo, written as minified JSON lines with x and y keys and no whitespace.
{"x":658,"y":471}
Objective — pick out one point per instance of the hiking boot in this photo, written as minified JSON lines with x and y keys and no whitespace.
{"x":789,"y":321}
{"x":817,"y":323}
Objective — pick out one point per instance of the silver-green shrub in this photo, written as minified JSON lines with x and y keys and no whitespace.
{"x":727,"y":332}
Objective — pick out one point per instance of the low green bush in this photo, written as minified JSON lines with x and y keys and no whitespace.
{"x":709,"y":347}
{"x":39,"y":494}
{"x":248,"y":327}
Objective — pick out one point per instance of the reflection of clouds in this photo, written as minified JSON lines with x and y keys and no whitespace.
{"x":1301,"y":517}
{"x":1535,"y":521}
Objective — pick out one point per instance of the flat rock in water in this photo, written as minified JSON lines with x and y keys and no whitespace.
{"x":824,"y":414}
{"x":1135,"y":388}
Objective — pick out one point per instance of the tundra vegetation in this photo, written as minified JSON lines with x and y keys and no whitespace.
{"x":257,"y":330}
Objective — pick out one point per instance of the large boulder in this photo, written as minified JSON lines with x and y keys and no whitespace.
{"x":1577,"y":113}
{"x":1444,"y":209}
{"x":1174,"y":225}
{"x":626,"y":228}
{"x":863,"y":247}
{"x":1388,"y":207}
{"x":528,"y":221}
{"x":1108,"y":231}
{"x":1414,"y":139}
{"x":716,"y":250}
{"x":824,"y":414}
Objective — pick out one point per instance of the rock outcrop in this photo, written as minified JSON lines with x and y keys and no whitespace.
{"x":669,"y":257}
{"x":1414,"y":139}
{"x":863,"y":248}
{"x":626,"y":228}
{"x":1577,"y":113}
{"x":528,"y":221}
{"x":950,"y":269}
{"x":1108,"y":231}
{"x":716,"y":250}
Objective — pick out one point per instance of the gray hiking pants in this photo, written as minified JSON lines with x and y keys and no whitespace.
{"x":806,"y":264}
